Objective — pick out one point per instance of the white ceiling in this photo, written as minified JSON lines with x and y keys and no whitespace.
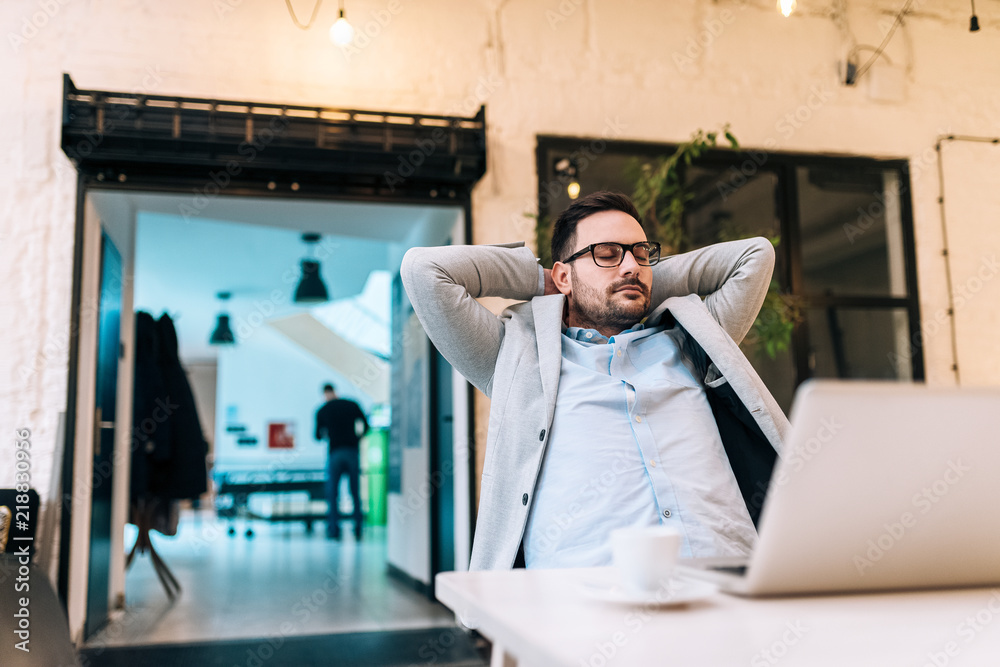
{"x":189,"y":248}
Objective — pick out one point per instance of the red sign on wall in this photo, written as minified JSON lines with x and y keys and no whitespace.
{"x":281,"y":435}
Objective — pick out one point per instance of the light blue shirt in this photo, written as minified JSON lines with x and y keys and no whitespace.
{"x":633,"y":443}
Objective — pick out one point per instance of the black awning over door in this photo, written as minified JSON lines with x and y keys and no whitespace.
{"x":139,"y":138}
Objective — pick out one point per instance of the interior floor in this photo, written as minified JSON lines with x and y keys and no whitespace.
{"x":282,"y":582}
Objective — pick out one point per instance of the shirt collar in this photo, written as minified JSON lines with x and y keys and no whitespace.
{"x":593,"y":336}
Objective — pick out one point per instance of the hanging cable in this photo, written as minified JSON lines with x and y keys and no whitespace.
{"x":945,"y":251}
{"x":895,"y":24}
{"x":295,"y":19}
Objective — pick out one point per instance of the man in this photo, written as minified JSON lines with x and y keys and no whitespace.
{"x":342,"y":423}
{"x":619,"y":397}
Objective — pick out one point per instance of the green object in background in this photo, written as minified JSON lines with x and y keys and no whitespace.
{"x":375,"y":454}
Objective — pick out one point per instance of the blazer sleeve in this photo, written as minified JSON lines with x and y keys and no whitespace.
{"x":733,"y":278}
{"x":443,"y":284}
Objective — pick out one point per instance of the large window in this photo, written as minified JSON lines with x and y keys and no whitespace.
{"x":844,"y":243}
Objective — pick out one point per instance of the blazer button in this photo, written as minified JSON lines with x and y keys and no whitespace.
{"x":541,"y":436}
{"x":524,"y":499}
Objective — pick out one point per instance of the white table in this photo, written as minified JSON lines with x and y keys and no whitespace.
{"x":542,"y":618}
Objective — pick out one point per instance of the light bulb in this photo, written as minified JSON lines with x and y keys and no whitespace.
{"x":341,"y":32}
{"x":573,"y":189}
{"x":786,"y":7}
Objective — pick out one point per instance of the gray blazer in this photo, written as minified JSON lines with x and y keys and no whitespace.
{"x":515,"y":358}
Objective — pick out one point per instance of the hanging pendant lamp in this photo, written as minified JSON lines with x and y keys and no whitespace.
{"x":223,"y":334}
{"x":311,"y":288}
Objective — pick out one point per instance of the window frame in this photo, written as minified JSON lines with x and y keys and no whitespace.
{"x":783,"y":165}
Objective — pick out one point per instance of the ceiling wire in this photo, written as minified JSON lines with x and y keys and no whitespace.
{"x":895,"y":24}
{"x":295,"y":19}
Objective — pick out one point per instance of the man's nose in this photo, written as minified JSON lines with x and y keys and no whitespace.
{"x":628,"y":265}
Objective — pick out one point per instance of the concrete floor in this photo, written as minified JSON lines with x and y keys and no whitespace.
{"x":282,"y":582}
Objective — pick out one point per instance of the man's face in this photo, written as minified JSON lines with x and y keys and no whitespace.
{"x":329,"y":395}
{"x":607,"y":298}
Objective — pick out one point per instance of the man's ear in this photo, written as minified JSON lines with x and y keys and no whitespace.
{"x":561,"y":278}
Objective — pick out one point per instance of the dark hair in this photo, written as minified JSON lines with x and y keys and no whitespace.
{"x":327,"y":387}
{"x":564,"y":229}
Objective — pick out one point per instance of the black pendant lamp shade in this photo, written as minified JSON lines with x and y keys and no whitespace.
{"x":223,"y":334}
{"x":311,"y":288}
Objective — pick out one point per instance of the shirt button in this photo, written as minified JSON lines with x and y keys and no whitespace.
{"x":541,"y":436}
{"x":666,"y":513}
{"x":652,"y":463}
{"x":638,"y":419}
{"x":524,"y":499}
{"x":589,"y":334}
{"x":619,"y":353}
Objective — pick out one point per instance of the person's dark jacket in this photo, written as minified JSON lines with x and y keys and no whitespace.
{"x":168,"y":447}
{"x":335,"y":421}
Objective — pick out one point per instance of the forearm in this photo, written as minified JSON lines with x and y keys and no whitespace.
{"x":443,"y":284}
{"x":488,"y":270}
{"x":733,"y":276}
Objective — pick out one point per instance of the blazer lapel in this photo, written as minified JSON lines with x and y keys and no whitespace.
{"x":691,"y":313}
{"x":547,"y":312}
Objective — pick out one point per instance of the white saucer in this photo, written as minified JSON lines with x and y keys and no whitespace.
{"x":678,"y":591}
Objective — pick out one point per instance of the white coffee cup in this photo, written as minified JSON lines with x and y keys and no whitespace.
{"x":645,"y":557}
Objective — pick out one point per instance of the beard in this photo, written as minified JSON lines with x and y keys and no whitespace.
{"x":604,"y":309}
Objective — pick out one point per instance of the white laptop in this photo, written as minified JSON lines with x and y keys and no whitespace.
{"x":881,"y":486}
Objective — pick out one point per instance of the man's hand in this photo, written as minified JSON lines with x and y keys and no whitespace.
{"x":550,"y":286}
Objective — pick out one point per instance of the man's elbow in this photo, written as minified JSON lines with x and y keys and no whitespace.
{"x":409,"y":269}
{"x":764,"y":249}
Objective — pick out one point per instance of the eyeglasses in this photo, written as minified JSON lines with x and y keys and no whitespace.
{"x":610,"y":254}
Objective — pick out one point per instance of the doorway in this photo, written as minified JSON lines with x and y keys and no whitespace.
{"x":350,"y":160}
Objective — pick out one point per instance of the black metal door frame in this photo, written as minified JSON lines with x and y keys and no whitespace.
{"x":170,"y":144}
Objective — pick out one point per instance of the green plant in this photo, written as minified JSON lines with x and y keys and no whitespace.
{"x":543,"y":238}
{"x":660,"y":197}
{"x":660,"y":194}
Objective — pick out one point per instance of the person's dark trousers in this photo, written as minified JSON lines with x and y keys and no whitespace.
{"x":342,"y":461}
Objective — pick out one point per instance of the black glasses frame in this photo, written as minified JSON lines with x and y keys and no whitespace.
{"x":654,"y":253}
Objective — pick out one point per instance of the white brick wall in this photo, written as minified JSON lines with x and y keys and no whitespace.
{"x":574,"y":67}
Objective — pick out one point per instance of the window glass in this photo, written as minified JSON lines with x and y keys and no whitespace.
{"x":859,"y":343}
{"x":851,"y":231}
